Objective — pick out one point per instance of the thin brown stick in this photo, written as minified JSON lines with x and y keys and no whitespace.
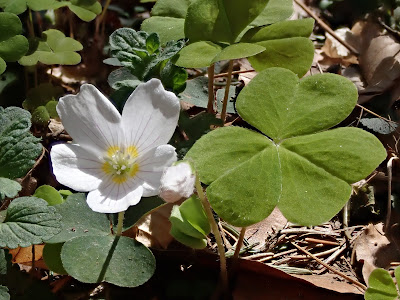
{"x":228,"y":85}
{"x":375,"y":114}
{"x":234,"y":73}
{"x":239,"y":243}
{"x":326,"y":27}
{"x":320,"y":241}
{"x":210,"y":104}
{"x":359,"y":284}
{"x":319,"y":254}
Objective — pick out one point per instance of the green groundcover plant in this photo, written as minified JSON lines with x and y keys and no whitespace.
{"x":120,"y":162}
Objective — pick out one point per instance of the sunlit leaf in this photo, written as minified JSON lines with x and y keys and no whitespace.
{"x":294,"y":163}
{"x":380,"y":286}
{"x":28,"y":221}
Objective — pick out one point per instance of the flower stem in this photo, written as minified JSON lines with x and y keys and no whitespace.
{"x":228,"y":84}
{"x":120,"y":222}
{"x":217,"y":234}
{"x":210,"y":105}
{"x":239,"y":243}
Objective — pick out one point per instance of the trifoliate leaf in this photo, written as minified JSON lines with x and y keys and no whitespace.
{"x":115,"y":259}
{"x":29,"y":221}
{"x":8,"y":188}
{"x":18,"y":148}
{"x":380,"y":286}
{"x":41,"y":95}
{"x":53,"y":48}
{"x":275,"y":11}
{"x":13,"y":45}
{"x":19,"y":6}
{"x":287,"y":46}
{"x":294,"y":163}
{"x":86,"y":10}
{"x":168,"y":19}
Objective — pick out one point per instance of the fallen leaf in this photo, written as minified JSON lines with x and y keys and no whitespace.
{"x":375,"y":250}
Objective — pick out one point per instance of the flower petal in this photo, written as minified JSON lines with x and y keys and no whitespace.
{"x":151,"y":167}
{"x":91,"y":119}
{"x":113,"y":198}
{"x":177,"y":182}
{"x":75,"y":167}
{"x":150,"y":116}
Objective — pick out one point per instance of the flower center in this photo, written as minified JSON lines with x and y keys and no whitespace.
{"x":121,"y":163}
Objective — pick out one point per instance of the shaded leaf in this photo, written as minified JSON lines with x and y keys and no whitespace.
{"x":4,"y":295}
{"x":378,"y":125}
{"x":18,"y":148}
{"x":9,"y":188}
{"x":134,"y":213}
{"x":118,"y":260}
{"x":196,"y":92}
{"x":28,"y":221}
{"x":19,"y":6}
{"x":79,"y":220}
{"x":52,"y":258}
{"x":53,"y":48}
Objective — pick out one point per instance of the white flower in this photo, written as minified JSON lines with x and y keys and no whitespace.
{"x":117,"y":159}
{"x":177,"y":182}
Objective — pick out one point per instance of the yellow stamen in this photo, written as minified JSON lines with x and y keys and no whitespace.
{"x":132,"y":151}
{"x":120,"y":163}
{"x":112,"y":150}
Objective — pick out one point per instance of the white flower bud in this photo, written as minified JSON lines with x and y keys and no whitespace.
{"x":177,"y":182}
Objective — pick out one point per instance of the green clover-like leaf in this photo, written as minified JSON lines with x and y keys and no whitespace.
{"x":86,"y":10}
{"x":28,"y":221}
{"x":13,"y":45}
{"x":380,"y":286}
{"x":53,"y":48}
{"x":287,"y":45}
{"x":19,"y":6}
{"x":294,"y":163}
{"x":18,"y":147}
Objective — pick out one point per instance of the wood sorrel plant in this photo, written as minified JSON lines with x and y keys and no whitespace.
{"x":293,"y":162}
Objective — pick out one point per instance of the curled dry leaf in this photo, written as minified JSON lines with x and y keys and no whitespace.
{"x":375,"y":250}
{"x":154,"y":228}
{"x":334,"y":49}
